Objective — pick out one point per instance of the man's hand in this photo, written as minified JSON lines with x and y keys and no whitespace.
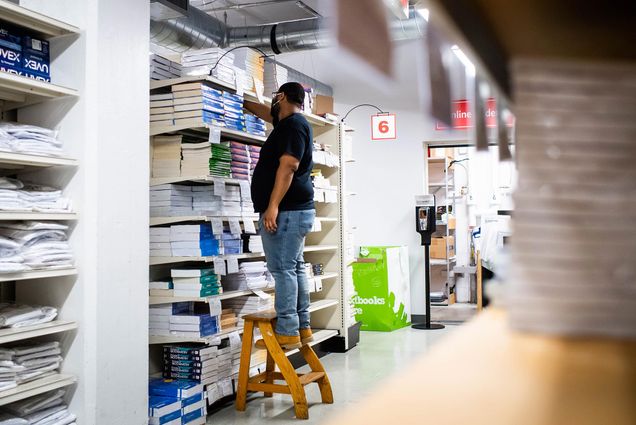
{"x":269,"y":219}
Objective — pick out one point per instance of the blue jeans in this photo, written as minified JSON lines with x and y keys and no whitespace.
{"x":284,"y":254}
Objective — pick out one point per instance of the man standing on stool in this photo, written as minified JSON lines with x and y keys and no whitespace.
{"x":283,"y":195}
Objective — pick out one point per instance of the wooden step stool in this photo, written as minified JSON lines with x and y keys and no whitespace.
{"x":294,"y":382}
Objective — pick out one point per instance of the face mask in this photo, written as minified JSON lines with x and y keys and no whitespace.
{"x":274,"y":111}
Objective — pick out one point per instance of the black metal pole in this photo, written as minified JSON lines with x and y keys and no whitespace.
{"x":427,"y":287}
{"x":427,"y":284}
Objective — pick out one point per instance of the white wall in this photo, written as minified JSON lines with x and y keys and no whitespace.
{"x":107,"y":131}
{"x":386,"y":177}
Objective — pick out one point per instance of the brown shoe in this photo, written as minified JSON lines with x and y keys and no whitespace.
{"x":306,"y":336}
{"x":285,"y":341}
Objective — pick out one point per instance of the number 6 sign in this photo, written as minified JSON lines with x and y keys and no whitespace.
{"x":383,"y":127}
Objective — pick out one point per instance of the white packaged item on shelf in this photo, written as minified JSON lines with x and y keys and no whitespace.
{"x":16,"y":195}
{"x":170,"y":200}
{"x":29,"y":139}
{"x":15,"y":316}
{"x":36,"y":403}
{"x":43,"y":244}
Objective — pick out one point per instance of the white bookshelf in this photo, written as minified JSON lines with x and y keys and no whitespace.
{"x":41,"y":286}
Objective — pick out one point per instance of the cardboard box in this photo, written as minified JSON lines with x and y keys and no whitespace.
{"x":323,"y":105}
{"x":438,"y":247}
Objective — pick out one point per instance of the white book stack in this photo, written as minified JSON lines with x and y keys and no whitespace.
{"x":170,"y":200}
{"x":252,"y":275}
{"x":275,"y":76}
{"x":160,"y":242}
{"x":166,"y":156}
{"x":162,"y":68}
{"x":225,"y":362}
{"x":161,"y":109}
{"x":192,"y":240}
{"x":200,"y":62}
{"x":196,"y":159}
{"x":159,"y":319}
{"x":256,"y":244}
{"x":251,"y":61}
{"x":248,"y":305}
{"x":205,"y":202}
{"x":572,"y":270}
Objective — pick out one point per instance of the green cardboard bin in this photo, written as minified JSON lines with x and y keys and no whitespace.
{"x":381,"y":280}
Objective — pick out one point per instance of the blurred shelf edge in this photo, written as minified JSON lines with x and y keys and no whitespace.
{"x":17,"y":334}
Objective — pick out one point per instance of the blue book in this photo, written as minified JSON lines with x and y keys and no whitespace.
{"x":233,"y":97}
{"x":9,"y":38}
{"x":182,"y":307}
{"x":35,"y":56}
{"x":37,"y":76}
{"x":234,"y":115}
{"x":193,"y":416}
{"x":162,"y":406}
{"x":192,"y":400}
{"x":212,"y":92}
{"x":169,"y":419}
{"x":180,"y":389}
{"x":10,"y":58}
{"x":254,"y":118}
{"x":11,"y":70}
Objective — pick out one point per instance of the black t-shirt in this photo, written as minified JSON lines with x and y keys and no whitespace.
{"x":293,"y":135}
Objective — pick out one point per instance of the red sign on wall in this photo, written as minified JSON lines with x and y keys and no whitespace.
{"x":463,"y":116}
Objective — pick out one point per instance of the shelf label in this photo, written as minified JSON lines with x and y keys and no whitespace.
{"x":235,"y":227}
{"x":232,"y":265}
{"x":217,"y":227}
{"x":383,"y":127}
{"x":235,"y":340}
{"x":259,"y":89}
{"x":219,"y":267}
{"x":213,"y":393}
{"x":248,"y":225}
{"x":246,"y":194}
{"x":219,"y":187}
{"x":215,"y":306}
{"x":215,"y":134}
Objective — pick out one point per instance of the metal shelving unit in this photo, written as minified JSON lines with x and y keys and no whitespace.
{"x":324,"y":245}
